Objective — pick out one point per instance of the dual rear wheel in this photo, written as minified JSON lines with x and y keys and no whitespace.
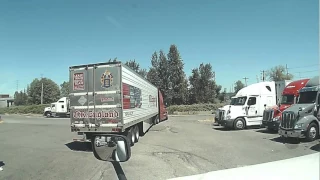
{"x":133,"y":134}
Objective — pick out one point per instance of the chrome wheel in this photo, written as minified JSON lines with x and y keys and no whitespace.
{"x":313,"y":132}
{"x":239,"y":124}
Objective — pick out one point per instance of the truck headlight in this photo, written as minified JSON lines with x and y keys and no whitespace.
{"x":276,"y":118}
{"x":228,"y":117}
{"x":298,"y":126}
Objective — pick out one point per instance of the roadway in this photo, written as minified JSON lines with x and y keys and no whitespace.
{"x":42,"y":148}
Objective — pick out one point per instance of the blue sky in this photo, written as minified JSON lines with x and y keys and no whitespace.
{"x":238,"y":37}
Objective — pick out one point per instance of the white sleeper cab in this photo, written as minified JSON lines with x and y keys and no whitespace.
{"x":248,"y":108}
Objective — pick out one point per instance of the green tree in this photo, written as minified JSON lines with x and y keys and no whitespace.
{"x":113,"y":60}
{"x":136,"y":67}
{"x":177,"y":76}
{"x":20,"y":98}
{"x":51,"y":91}
{"x":203,"y":88}
{"x":163,"y":74}
{"x":278,"y":73}
{"x":153,"y":73}
{"x":238,"y":85}
{"x":64,"y":89}
{"x":194,"y":91}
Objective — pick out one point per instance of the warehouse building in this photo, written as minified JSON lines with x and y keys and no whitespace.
{"x":6,"y":100}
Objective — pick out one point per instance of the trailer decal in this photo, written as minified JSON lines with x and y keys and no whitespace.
{"x":132,"y":97}
{"x":106,"y":79}
{"x":80,"y":114}
{"x":152,"y":101}
{"x":78,"y":81}
{"x":107,"y":99}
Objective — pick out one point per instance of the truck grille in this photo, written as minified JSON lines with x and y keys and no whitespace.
{"x":268,"y":115}
{"x":288,"y":120}
{"x":221,"y":114}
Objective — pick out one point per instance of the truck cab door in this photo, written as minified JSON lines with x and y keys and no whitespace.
{"x":252,"y":109}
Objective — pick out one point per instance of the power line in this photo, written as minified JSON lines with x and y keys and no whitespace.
{"x":311,"y":65}
{"x":304,"y":72}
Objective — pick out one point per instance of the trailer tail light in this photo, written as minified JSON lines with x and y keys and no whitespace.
{"x":116,"y":129}
{"x":112,"y":121}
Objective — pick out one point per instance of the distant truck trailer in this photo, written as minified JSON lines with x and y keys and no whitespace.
{"x":110,"y":98}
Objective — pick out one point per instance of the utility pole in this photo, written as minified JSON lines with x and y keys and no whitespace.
{"x":263,"y":75}
{"x":41,"y":89}
{"x":257,"y":78}
{"x":41,"y":93}
{"x":287,"y":70}
{"x":17,"y":85}
{"x":214,"y":75}
{"x":245,"y":80}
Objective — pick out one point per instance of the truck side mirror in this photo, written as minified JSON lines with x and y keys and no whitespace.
{"x":111,"y":147}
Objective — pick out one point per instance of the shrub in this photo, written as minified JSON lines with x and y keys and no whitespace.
{"x":194,"y":107}
{"x":32,"y":109}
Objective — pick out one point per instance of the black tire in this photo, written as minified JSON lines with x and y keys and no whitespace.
{"x":239,"y":124}
{"x":136,"y":133}
{"x":48,"y":114}
{"x":312,"y":132}
{"x":130,"y":136}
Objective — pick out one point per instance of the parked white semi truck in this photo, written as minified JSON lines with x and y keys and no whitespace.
{"x":250,"y":103}
{"x":61,"y":108}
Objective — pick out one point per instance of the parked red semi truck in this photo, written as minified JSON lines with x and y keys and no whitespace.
{"x":272,"y":116}
{"x":110,"y":98}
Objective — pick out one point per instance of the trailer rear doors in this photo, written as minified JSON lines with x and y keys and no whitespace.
{"x":95,"y":97}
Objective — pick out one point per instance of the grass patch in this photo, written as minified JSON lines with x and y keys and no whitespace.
{"x":192,"y":109}
{"x":32,"y":109}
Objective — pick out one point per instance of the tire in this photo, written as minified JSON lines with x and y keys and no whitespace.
{"x":156,"y":120}
{"x":312,"y":132}
{"x":130,"y":136}
{"x":136,"y":133}
{"x":239,"y":124}
{"x":48,"y":115}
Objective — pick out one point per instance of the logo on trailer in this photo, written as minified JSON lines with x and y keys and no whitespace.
{"x":106,"y":79}
{"x":78,"y":81}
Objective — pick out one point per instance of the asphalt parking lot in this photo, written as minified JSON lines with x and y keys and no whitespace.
{"x":41,"y":148}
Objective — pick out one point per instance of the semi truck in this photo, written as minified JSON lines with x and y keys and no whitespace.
{"x":290,"y":94}
{"x":218,"y":113}
{"x":250,"y":104}
{"x":111,"y":99}
{"x":61,"y":108}
{"x":301,"y":120}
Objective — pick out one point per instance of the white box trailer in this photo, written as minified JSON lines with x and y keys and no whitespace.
{"x":112,"y":98}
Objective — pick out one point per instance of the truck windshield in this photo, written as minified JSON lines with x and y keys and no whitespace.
{"x":240,"y":100}
{"x":233,"y":100}
{"x":307,"y":97}
{"x":287,"y":99}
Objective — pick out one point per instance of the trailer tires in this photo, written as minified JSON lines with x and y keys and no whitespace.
{"x":130,"y":136}
{"x":312,"y":132}
{"x":239,"y":124}
{"x":136,"y":133}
